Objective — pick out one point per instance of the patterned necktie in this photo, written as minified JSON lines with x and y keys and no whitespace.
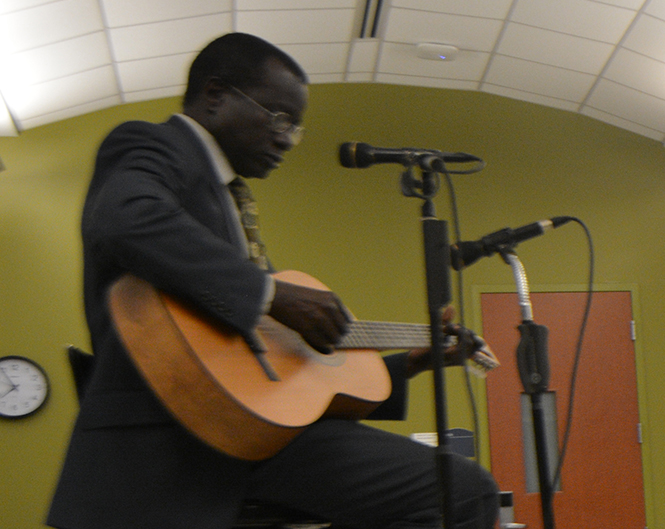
{"x":249,"y":216}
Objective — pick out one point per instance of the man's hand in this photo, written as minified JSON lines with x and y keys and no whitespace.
{"x":317,"y":315}
{"x":419,"y":360}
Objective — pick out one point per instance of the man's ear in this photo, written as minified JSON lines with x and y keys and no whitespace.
{"x":214,"y":92}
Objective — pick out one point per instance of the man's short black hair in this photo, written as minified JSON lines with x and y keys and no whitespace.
{"x":239,"y":60}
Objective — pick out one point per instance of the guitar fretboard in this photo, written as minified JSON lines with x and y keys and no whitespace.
{"x":385,"y":335}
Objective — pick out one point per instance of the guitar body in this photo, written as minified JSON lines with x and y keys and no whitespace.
{"x":212,"y":383}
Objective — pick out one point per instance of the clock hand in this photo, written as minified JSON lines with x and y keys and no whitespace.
{"x":4,"y":392}
{"x":6,"y":376}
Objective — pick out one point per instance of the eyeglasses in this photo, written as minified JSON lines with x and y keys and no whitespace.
{"x":280,"y":122}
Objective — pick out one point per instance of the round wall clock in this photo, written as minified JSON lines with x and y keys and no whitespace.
{"x":23,"y":387}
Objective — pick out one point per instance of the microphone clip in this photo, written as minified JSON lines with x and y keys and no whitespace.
{"x":425,"y":189}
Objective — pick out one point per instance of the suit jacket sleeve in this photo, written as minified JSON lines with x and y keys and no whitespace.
{"x":395,"y":407}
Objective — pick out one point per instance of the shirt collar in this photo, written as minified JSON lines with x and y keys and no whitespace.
{"x":223,"y":168}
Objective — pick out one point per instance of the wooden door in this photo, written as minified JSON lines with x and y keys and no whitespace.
{"x":602,"y":484}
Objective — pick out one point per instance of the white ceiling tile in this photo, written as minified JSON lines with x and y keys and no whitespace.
{"x":623,"y":123}
{"x":156,"y":93}
{"x":538,"y":59}
{"x":359,"y":77}
{"x":627,"y":4}
{"x":475,"y":8}
{"x":157,"y":40}
{"x":323,"y":78}
{"x":260,"y":5}
{"x":592,"y":20}
{"x":629,"y":104}
{"x":647,"y":37}
{"x":656,"y":8}
{"x":7,"y":127}
{"x":556,"y":49}
{"x":363,"y":55}
{"x":530,"y":97}
{"x":132,"y":12}
{"x":429,"y":82}
{"x":149,"y":74}
{"x":70,"y":112}
{"x":298,"y":26}
{"x":65,"y":19}
{"x":401,"y":59}
{"x":71,"y":91}
{"x":468,"y":33}
{"x":319,"y":58}
{"x":9,"y":6}
{"x":639,"y":72}
{"x":539,"y":78}
{"x":65,"y":58}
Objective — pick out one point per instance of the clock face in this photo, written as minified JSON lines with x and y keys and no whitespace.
{"x":23,"y":386}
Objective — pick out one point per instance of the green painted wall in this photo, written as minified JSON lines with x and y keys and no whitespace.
{"x":356,"y":232}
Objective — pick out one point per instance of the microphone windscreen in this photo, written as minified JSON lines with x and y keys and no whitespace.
{"x":347,"y":154}
{"x":356,"y":155}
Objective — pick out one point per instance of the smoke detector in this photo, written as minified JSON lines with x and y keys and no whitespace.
{"x":436,"y":52}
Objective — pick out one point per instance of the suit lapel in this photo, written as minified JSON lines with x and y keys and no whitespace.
{"x":232,"y":226}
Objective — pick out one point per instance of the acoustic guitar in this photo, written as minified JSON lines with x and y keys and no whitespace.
{"x":246,"y":404}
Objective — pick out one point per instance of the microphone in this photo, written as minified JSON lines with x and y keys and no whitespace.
{"x":356,"y":155}
{"x":466,"y":253}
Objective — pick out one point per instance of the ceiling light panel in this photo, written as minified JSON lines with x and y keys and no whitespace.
{"x":467,"y":33}
{"x":401,"y":59}
{"x":120,"y":13}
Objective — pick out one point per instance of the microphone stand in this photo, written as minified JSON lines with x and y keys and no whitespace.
{"x":437,"y":266}
{"x":533,"y":367}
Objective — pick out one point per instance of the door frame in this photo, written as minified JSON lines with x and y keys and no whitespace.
{"x":474,"y":321}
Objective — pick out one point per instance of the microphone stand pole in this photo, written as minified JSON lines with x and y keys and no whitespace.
{"x":437,"y":266}
{"x":533,"y":367}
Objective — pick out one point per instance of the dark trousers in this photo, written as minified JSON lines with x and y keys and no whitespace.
{"x":362,"y":477}
{"x":161,"y":477}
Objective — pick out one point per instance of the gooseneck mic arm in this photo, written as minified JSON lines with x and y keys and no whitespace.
{"x":534,"y":370}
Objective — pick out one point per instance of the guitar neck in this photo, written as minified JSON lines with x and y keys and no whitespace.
{"x":384,"y":335}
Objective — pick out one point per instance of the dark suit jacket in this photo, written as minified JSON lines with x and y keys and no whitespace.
{"x":154,"y":209}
